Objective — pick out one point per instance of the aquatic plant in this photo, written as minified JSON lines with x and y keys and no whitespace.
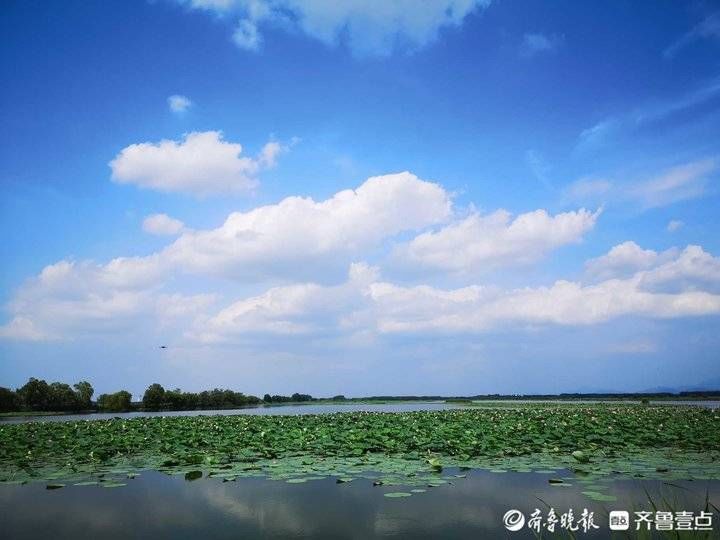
{"x":404,"y":448}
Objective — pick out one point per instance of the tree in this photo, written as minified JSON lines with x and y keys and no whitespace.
{"x":175,"y":399}
{"x":154,"y":397}
{"x":8,"y":400}
{"x":34,"y":395}
{"x":62,"y":398}
{"x":119,"y":401}
{"x":85,"y":393}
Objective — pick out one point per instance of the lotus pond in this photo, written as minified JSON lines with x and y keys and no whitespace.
{"x":411,"y":471}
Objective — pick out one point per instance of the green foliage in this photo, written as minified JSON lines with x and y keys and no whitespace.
{"x":414,"y":447}
{"x":8,"y":400}
{"x":295,"y":398}
{"x":157,"y":398}
{"x":154,"y":397}
{"x":85,"y":393}
{"x":35,"y":395}
{"x":38,"y":395}
{"x":117,"y":402}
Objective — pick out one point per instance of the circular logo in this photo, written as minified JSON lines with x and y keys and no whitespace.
{"x":513,"y":520}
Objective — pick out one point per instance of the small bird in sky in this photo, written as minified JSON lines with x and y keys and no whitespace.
{"x":163,"y":346}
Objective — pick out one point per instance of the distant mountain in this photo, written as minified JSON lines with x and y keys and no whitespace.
{"x":709,"y":384}
{"x":704,"y":386}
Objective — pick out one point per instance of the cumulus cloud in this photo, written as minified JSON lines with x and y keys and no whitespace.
{"x":365,"y":304}
{"x":625,"y":259}
{"x":162,"y":225}
{"x":692,"y":270}
{"x":366,"y":27}
{"x":75,"y":299}
{"x":202,"y":163}
{"x":179,"y":104}
{"x":22,"y":329}
{"x":300,"y":232}
{"x":483,"y":242}
{"x":299,"y":309}
{"x":282,"y":244}
{"x":473,"y":309}
{"x":297,"y":236}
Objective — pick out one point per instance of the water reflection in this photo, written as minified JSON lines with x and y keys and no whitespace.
{"x":156,"y":505}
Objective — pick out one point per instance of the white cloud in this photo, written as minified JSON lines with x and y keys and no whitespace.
{"x":675,"y":225}
{"x":366,"y":27}
{"x":678,"y":184}
{"x":474,"y":309}
{"x":70,"y":300}
{"x":162,"y":225}
{"x":625,"y":259}
{"x":649,"y":117}
{"x":298,"y":233}
{"x":246,"y":35}
{"x":536,"y":43}
{"x":708,"y":28}
{"x":479,"y":243}
{"x":179,"y":104}
{"x":294,"y":242}
{"x":539,"y":167}
{"x":214,"y":5}
{"x":692,"y":270}
{"x":305,"y":308}
{"x":587,"y":190}
{"x":363,"y":304}
{"x":22,"y":329}
{"x":597,"y":135}
{"x":683,"y":182}
{"x":202,"y":163}
{"x":295,"y":237}
{"x":672,"y":269}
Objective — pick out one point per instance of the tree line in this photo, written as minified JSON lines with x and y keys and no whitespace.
{"x":157,"y":398}
{"x":39,"y":396}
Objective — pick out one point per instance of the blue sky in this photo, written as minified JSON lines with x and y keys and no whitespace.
{"x":374,"y":197}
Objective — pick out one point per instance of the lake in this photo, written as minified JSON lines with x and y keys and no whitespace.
{"x":318,"y":408}
{"x":329,"y":408}
{"x":156,"y":505}
{"x":356,"y":475}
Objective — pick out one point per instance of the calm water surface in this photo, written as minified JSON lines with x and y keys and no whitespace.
{"x":272,"y":410}
{"x":327,"y":409}
{"x":158,"y":506}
